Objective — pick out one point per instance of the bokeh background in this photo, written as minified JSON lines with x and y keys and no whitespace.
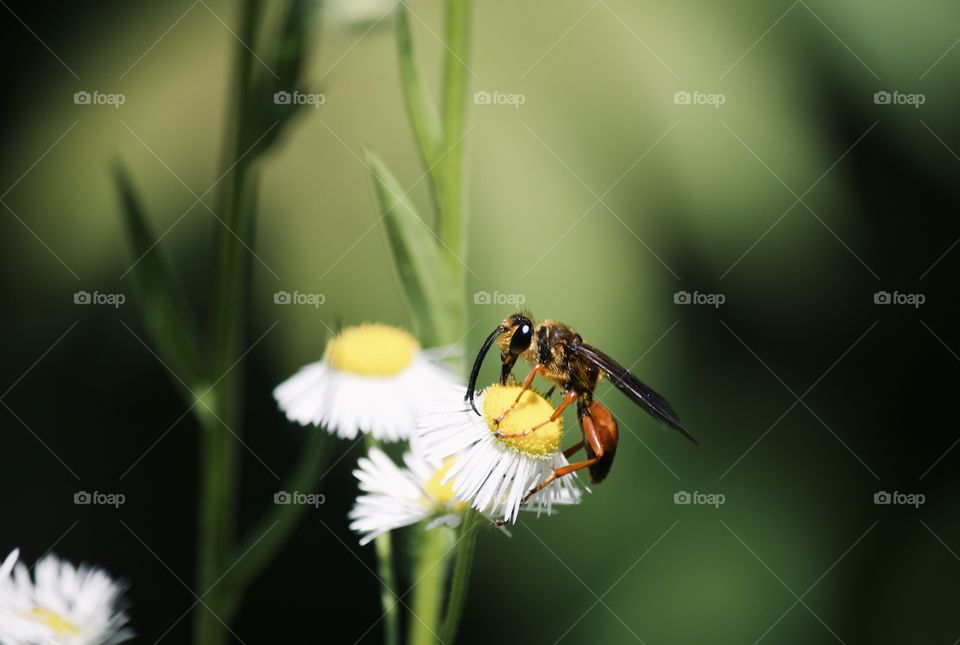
{"x":596,"y":201}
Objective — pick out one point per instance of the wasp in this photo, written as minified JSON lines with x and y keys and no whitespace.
{"x":558,"y":353}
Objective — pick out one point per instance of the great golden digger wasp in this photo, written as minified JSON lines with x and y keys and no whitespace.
{"x":558,"y":353}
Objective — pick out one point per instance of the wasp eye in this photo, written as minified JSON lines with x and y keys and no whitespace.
{"x":520,"y":341}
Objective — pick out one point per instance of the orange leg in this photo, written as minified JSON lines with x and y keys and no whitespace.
{"x":527,"y":382}
{"x":568,"y":397}
{"x":572,"y":450}
{"x":591,"y":437}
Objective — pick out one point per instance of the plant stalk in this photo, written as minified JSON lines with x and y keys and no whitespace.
{"x":461,"y":576}
{"x":431,"y":557}
{"x":221,"y":417}
{"x":383,"y":546}
{"x":453,"y":115}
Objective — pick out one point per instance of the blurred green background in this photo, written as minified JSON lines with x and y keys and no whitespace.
{"x":596,"y":201}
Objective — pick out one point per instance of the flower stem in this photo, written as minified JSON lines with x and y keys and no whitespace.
{"x":218,"y":474}
{"x":453,"y":114}
{"x":461,"y":576}
{"x":220,"y":418}
{"x":431,"y":557}
{"x":388,"y":580}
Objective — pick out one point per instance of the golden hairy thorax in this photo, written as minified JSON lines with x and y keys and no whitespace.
{"x":549,"y":348}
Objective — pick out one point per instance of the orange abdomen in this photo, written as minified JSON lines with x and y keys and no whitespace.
{"x":609,"y":436}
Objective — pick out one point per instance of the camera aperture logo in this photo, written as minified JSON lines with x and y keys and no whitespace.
{"x":896,"y":298}
{"x":896,"y":498}
{"x":96,"y":298}
{"x":297,"y":498}
{"x":696,"y":298}
{"x":314,"y":100}
{"x":497,"y":298}
{"x":484,"y":97}
{"x":297,"y":298}
{"x":697,"y":97}
{"x":696,"y":498}
{"x":96,"y":498}
{"x":96,"y":97}
{"x":896,"y":97}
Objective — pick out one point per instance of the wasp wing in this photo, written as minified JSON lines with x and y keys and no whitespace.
{"x":641,"y":394}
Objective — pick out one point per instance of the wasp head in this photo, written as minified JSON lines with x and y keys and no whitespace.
{"x":515,"y":340}
{"x":514,"y":336}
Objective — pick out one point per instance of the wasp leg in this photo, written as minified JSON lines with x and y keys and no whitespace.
{"x":572,"y":450}
{"x":549,"y":393}
{"x":568,"y":397}
{"x":592,"y":439}
{"x":527,"y":382}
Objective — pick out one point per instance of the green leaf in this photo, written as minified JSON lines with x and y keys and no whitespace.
{"x":423,"y":116}
{"x":286,"y":58}
{"x":160,"y":300}
{"x":428,"y":285}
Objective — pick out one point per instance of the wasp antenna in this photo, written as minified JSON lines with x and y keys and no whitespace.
{"x":475,"y":372}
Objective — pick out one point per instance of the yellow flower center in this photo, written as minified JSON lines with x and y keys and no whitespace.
{"x":530,"y":411}
{"x":372,"y":349}
{"x":442,"y":494}
{"x":57,"y":623}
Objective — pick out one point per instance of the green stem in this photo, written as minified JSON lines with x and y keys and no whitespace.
{"x":221,"y":417}
{"x":388,"y":579}
{"x":429,"y":578}
{"x":218,"y":473}
{"x":388,"y":584}
{"x":453,"y":111}
{"x":461,"y":576}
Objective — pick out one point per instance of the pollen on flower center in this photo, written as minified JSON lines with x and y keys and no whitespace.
{"x":532,"y":410}
{"x":54,"y":621}
{"x":372,"y":349}
{"x":441,"y":493}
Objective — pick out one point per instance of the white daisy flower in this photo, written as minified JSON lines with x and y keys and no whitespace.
{"x":63,"y":605}
{"x":494,"y":474}
{"x":395,"y":497}
{"x":368,"y":381}
{"x":16,"y":627}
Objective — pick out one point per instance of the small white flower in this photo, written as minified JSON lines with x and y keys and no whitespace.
{"x":15,"y":605}
{"x":395,"y":497}
{"x":368,"y":381}
{"x":493,"y":473}
{"x":63,"y":605}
